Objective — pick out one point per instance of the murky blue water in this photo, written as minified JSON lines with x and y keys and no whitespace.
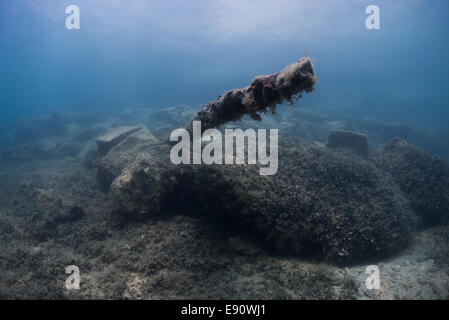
{"x":135,"y":53}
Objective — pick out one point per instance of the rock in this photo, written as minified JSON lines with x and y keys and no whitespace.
{"x":87,"y":134}
{"x":122,"y":155}
{"x":35,"y":250}
{"x":66,"y":149}
{"x":353,"y":141}
{"x":423,"y":178}
{"x":322,"y":203}
{"x":88,"y":154}
{"x":139,"y":188}
{"x":114,"y":137}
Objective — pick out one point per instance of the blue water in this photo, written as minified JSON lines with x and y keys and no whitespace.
{"x":136,"y":53}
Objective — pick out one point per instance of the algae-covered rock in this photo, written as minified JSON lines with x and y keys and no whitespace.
{"x":141,"y":187}
{"x":353,"y":141}
{"x":114,"y":137}
{"x":122,"y":155}
{"x":423,"y":178}
{"x":322,"y":203}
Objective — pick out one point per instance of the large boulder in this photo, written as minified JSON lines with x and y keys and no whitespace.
{"x":423,"y":178}
{"x":122,"y":155}
{"x":354,"y":141}
{"x":107,"y":141}
{"x":322,"y":203}
{"x":143,"y":186}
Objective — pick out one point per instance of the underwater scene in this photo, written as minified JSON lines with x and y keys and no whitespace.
{"x":224,"y":150}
